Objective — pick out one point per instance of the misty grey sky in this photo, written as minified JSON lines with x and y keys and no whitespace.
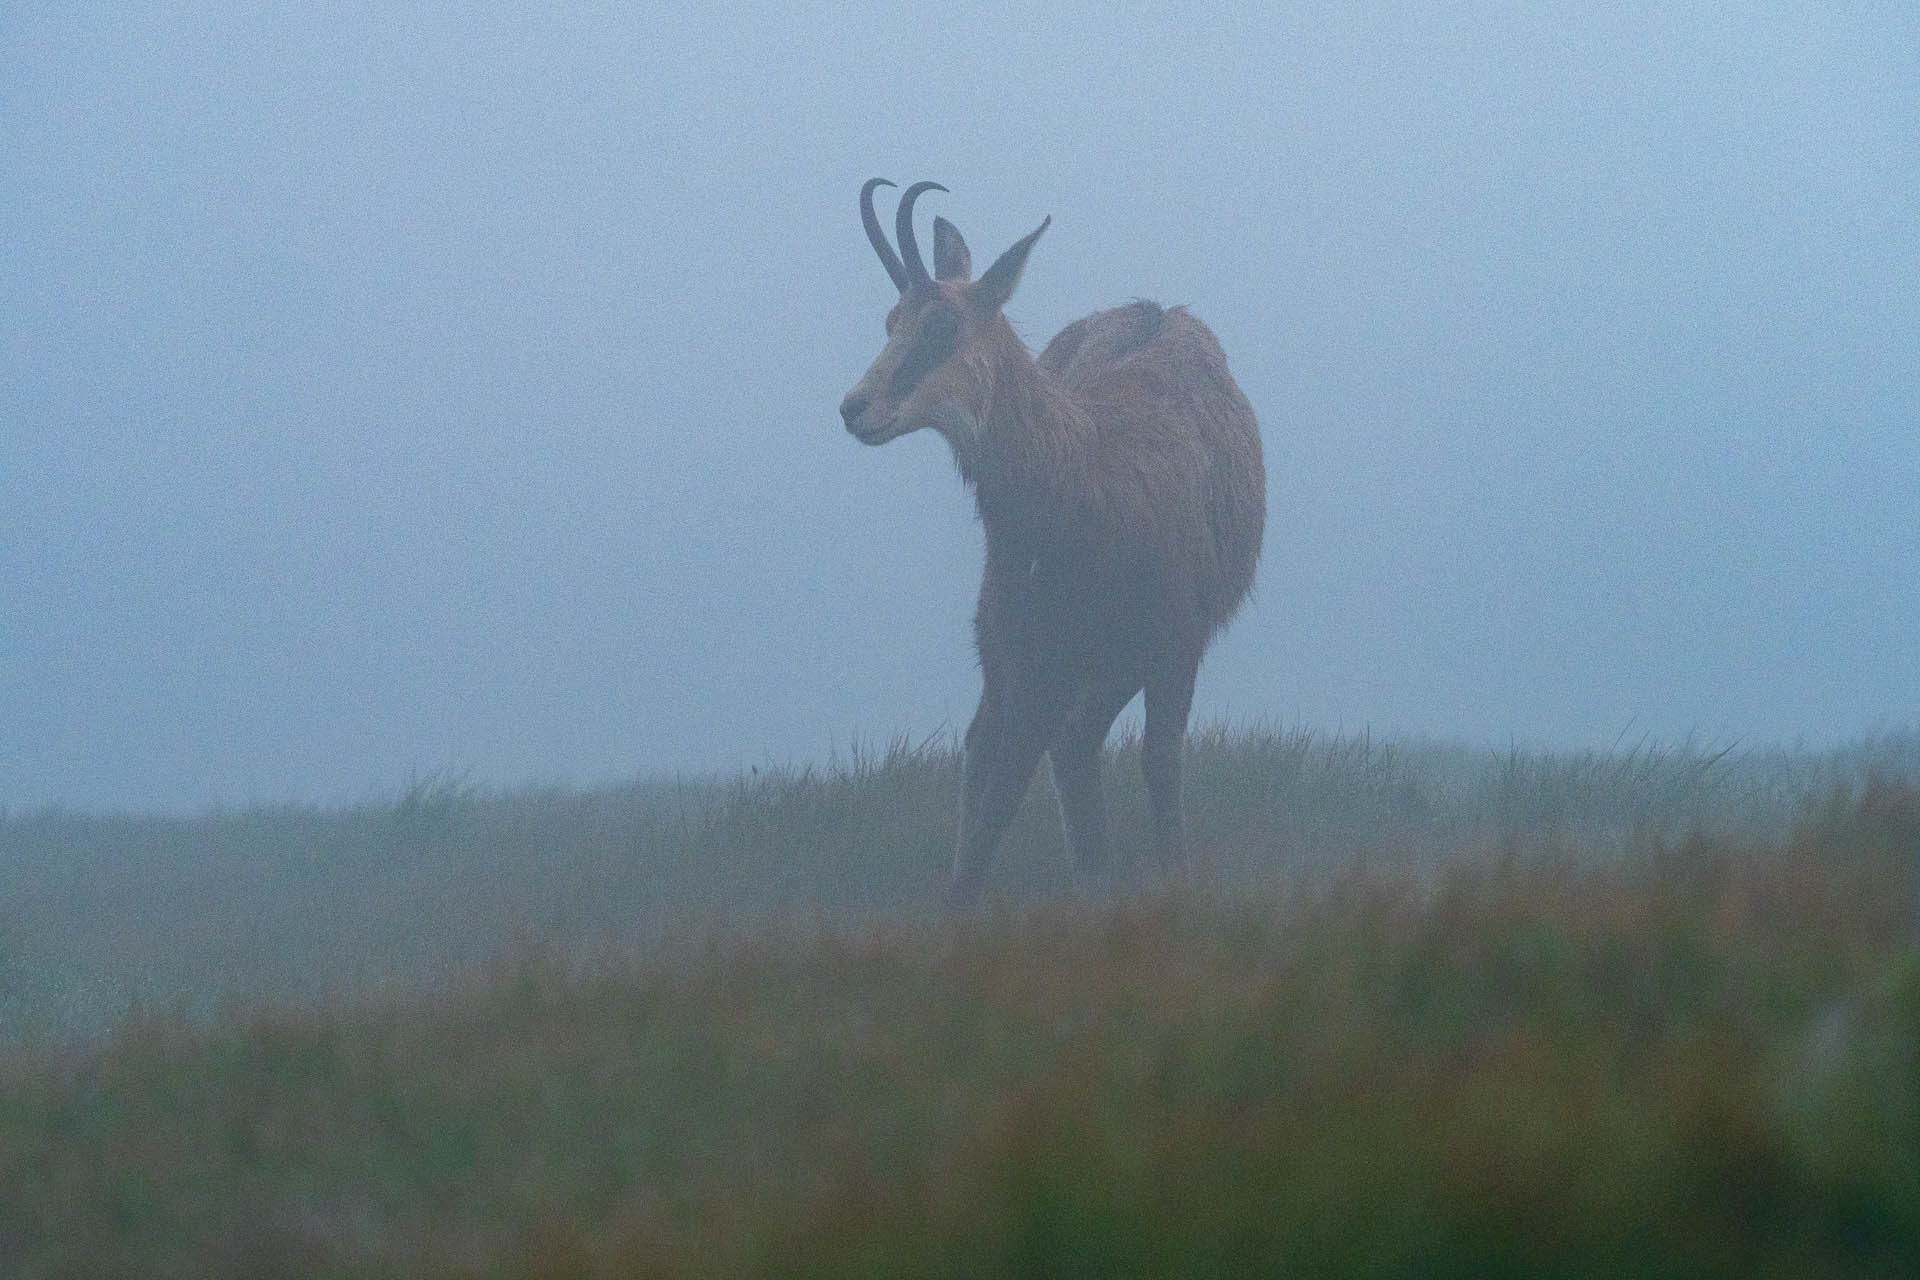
{"x":392,"y":388}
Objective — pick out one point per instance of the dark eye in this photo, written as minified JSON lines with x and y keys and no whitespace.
{"x":942,"y":328}
{"x":939,"y":334}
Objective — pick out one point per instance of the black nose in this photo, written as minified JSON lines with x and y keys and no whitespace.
{"x":852,"y":408}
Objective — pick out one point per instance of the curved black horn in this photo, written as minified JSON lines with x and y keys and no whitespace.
{"x":903,"y":232}
{"x":888,"y":258}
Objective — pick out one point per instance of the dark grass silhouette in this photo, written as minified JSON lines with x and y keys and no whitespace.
{"x":1432,"y":1012}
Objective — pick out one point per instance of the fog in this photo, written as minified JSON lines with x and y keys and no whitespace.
{"x":395,"y":390}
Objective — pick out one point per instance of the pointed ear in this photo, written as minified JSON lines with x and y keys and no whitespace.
{"x":951,"y":261}
{"x":997,"y":285}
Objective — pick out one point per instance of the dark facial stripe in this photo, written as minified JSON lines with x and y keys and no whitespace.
{"x":939,"y":335}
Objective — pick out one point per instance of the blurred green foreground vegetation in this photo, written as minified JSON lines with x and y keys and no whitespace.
{"x":1421,"y":1010}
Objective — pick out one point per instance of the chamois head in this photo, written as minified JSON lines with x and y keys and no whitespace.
{"x":935,"y":370}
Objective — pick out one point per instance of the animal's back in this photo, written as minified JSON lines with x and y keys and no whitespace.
{"x":1176,"y":421}
{"x":1087,"y":347}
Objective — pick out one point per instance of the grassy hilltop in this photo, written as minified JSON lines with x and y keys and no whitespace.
{"x":1425,"y":1010}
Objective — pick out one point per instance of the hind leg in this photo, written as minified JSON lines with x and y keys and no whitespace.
{"x":1169,"y":699}
{"x":1076,"y":770}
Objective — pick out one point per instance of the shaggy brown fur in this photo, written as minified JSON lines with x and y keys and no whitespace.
{"x":1120,"y":483}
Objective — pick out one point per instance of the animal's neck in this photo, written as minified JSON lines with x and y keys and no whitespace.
{"x":1032,"y":450}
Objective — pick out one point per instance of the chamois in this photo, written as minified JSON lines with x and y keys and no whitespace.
{"x":1120,"y":484}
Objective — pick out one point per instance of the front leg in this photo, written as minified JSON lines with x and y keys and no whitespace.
{"x":1014,"y":725}
{"x":1076,"y":769}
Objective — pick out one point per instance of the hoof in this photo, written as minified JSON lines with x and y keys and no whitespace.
{"x":963,"y":895}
